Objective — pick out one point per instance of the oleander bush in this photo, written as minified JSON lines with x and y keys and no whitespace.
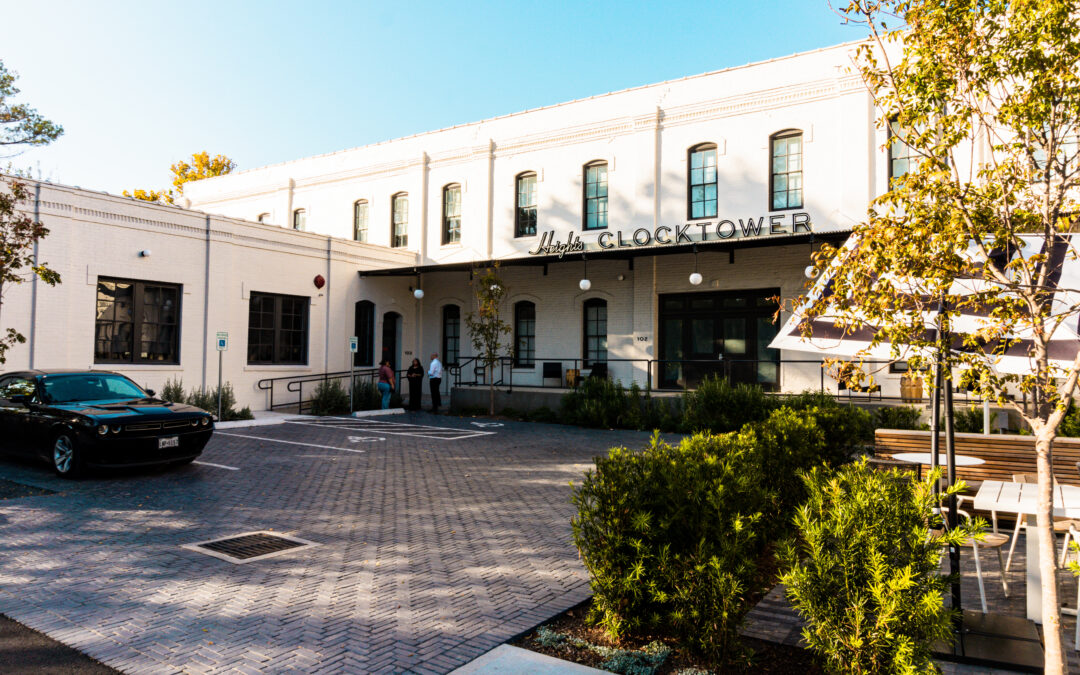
{"x":329,"y":398}
{"x":863,"y":570}
{"x":719,"y":406}
{"x":670,"y":536}
{"x":899,"y":417}
{"x":207,"y":399}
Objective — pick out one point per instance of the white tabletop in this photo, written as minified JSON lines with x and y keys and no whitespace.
{"x":995,"y":495}
{"x":927,"y":458}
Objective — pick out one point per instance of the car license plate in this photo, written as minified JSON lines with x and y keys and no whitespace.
{"x":168,"y":442}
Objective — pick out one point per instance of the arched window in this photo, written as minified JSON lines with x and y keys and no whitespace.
{"x":786,"y":170}
{"x":299,"y":219}
{"x":524,"y":334}
{"x":399,"y":219}
{"x":701,"y":182}
{"x":364,"y":329}
{"x":594,"y":322}
{"x":451,"y":230}
{"x":595,"y":196}
{"x":360,"y":220}
{"x":451,"y":335}
{"x":525,"y":209}
{"x":263,"y":218}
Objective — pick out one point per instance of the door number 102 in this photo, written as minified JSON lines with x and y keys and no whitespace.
{"x":643,"y":338}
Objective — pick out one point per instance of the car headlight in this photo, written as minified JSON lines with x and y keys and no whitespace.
{"x":115,"y":429}
{"x":103,"y":429}
{"x":194,"y":422}
{"x":205,"y":421}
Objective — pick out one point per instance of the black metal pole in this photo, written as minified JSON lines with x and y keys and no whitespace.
{"x":935,"y":423}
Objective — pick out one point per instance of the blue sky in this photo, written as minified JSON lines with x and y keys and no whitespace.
{"x":140,"y":85}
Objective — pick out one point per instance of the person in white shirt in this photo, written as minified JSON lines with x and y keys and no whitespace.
{"x":434,"y":374}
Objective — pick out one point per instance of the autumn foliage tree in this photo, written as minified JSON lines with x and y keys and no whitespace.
{"x":202,"y":165}
{"x":486,"y":325}
{"x":20,"y":126}
{"x":985,"y":95}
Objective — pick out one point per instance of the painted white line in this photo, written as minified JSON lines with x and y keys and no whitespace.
{"x":278,"y":440}
{"x":421,"y":432}
{"x":220,"y":466}
{"x":364,"y":439}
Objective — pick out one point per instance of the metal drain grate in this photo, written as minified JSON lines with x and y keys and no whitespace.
{"x":250,"y":546}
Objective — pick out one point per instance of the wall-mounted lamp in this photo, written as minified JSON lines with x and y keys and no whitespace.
{"x":145,"y":253}
{"x":585,"y":284}
{"x":621,"y":277}
{"x":811,"y":272}
{"x":418,"y":294}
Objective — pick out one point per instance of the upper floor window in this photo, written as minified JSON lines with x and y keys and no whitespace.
{"x":263,"y":218}
{"x":360,"y":220}
{"x":595,"y":324}
{"x":399,"y":226}
{"x":277,"y":329}
{"x":299,"y":219}
{"x":524,"y":334}
{"x":451,"y":338}
{"x":596,"y":196}
{"x":451,"y":231}
{"x":137,"y":322}
{"x":525,"y":211}
{"x":902,"y":158}
{"x":786,"y":173}
{"x":702,"y":183}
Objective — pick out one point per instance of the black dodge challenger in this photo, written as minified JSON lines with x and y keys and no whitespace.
{"x":81,"y":419}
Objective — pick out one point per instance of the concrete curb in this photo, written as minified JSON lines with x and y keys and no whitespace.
{"x":239,"y":424}
{"x":376,"y":413}
{"x":509,"y":660}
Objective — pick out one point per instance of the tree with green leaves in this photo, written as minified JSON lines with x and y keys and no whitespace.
{"x":201,"y":166}
{"x":20,"y":126}
{"x":985,"y":95}
{"x":486,"y":325}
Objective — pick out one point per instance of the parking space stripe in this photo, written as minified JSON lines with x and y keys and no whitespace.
{"x":219,"y":466}
{"x":278,"y":440}
{"x":396,"y":429}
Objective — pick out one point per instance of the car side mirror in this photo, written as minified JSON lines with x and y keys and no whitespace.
{"x":151,"y":392}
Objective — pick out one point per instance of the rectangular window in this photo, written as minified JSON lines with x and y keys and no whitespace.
{"x":451,"y":214}
{"x":137,"y":322}
{"x":524,"y":335}
{"x":595,"y":332}
{"x":299,"y":219}
{"x":596,"y":205}
{"x":703,"y":182}
{"x":525,"y":211}
{"x":787,"y":171}
{"x":400,"y":233}
{"x":360,"y":220}
{"x":277,"y":329}
{"x":902,"y":158}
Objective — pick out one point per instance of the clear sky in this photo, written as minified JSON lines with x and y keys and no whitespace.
{"x":139,"y":85}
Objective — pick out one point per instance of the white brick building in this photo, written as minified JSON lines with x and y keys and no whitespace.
{"x":732,"y":174}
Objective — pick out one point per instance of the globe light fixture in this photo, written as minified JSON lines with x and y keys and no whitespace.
{"x":810,"y":272}
{"x":418,"y":294}
{"x":584,"y":284}
{"x":695,"y":279}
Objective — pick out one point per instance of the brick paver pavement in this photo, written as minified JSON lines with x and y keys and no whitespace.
{"x":432,"y":551}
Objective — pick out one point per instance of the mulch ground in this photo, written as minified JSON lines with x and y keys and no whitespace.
{"x":768,"y":658}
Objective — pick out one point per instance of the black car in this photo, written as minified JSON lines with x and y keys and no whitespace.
{"x":81,"y":419}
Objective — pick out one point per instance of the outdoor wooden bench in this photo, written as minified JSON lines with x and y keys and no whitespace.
{"x":1004,"y":455}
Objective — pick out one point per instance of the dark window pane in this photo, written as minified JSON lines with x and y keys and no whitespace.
{"x":786,"y":174}
{"x":596,"y":196}
{"x":137,"y":322}
{"x":277,"y":329}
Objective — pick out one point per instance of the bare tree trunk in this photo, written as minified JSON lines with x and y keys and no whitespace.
{"x":491,"y":389}
{"x":1044,"y":518}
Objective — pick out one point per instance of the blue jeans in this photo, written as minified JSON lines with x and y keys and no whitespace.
{"x":384,"y":389}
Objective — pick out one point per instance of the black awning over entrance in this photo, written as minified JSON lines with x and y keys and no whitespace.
{"x":630,"y":253}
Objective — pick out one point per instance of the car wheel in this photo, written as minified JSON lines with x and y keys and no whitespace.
{"x":66,"y":457}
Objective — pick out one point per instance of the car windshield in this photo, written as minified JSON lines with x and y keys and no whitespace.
{"x":89,"y":387}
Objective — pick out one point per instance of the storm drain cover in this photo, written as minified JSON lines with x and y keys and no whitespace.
{"x":250,"y":546}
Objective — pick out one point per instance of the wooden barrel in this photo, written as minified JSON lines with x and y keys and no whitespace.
{"x":911,"y":389}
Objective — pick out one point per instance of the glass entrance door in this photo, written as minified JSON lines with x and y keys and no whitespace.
{"x":725,"y":333}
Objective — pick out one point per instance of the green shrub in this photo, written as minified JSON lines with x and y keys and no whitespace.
{"x":366,"y":395}
{"x":597,"y":402}
{"x":173,"y":391}
{"x":864,"y":571}
{"x":969,"y":419}
{"x":719,"y":406}
{"x":207,"y":399}
{"x":670,"y":536}
{"x":898,"y":417}
{"x":330,"y":398}
{"x":1070,"y":424}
